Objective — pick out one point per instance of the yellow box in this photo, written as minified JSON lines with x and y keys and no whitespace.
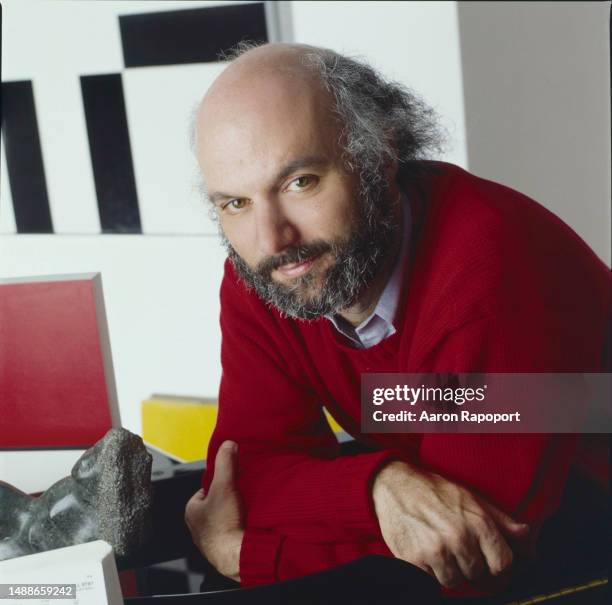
{"x":180,"y":427}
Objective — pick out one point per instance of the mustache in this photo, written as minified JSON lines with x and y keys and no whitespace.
{"x":293,"y":254}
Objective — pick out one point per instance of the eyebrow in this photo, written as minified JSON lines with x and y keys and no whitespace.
{"x":297,"y":164}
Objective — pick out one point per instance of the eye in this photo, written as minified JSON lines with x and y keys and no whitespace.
{"x":302,"y":182}
{"x":235,"y":206}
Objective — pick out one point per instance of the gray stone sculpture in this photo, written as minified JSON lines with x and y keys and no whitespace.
{"x":107,"y":496}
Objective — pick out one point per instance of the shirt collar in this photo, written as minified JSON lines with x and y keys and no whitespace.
{"x":379,"y":324}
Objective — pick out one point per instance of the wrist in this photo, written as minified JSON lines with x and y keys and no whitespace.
{"x":395,"y":478}
{"x":392,"y":473}
{"x":381,"y":485}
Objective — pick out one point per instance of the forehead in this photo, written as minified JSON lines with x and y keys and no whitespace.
{"x":249,"y":130}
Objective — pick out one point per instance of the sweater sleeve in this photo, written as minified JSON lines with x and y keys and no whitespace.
{"x":290,"y":474}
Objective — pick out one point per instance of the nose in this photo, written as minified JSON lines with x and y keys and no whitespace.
{"x":274,"y":230}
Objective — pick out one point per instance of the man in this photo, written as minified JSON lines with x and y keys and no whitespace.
{"x":349,"y":254}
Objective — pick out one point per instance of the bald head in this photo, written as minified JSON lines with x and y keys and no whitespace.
{"x":280,"y":57}
{"x":277,"y":61}
{"x":380,"y":121}
{"x":264,"y":82}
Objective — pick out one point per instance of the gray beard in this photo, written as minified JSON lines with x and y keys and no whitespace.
{"x":357,"y":261}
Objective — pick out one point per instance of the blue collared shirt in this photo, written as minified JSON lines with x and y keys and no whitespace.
{"x":379,"y":325}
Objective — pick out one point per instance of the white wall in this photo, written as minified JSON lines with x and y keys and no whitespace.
{"x":416,"y":43}
{"x":537,"y":96}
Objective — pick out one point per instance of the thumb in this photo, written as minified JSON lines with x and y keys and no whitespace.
{"x":225,"y":466}
{"x":506,"y":524}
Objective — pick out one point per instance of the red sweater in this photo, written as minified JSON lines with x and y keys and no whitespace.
{"x":496,"y":284}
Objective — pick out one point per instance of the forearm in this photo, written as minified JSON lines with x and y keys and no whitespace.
{"x":332,"y":496}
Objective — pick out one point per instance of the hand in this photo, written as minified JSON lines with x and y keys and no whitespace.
{"x":215,"y":519}
{"x":441,"y":527}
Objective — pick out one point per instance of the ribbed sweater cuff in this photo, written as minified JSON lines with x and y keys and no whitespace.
{"x":258,"y":557}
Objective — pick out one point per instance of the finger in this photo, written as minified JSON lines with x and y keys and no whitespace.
{"x":471,"y":561}
{"x":224,"y":466}
{"x":505,"y":522}
{"x":447,"y":572}
{"x":495,"y":549}
{"x":194,"y":506}
{"x":469,"y":558}
{"x":196,"y":498}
